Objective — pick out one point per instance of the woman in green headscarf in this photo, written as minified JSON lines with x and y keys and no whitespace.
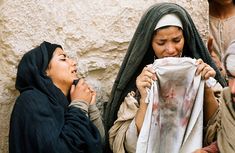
{"x":174,"y":36}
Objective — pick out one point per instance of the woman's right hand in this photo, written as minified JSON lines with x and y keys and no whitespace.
{"x":81,"y":92}
{"x":144,"y":80}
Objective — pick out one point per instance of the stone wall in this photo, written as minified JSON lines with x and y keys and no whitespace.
{"x":95,"y":33}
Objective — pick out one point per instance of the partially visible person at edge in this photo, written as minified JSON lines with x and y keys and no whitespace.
{"x":219,"y":137}
{"x":222,"y":29}
{"x":51,"y":114}
{"x":150,"y":42}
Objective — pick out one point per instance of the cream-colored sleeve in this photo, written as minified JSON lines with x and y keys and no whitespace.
{"x":96,"y":119}
{"x":81,"y":105}
{"x":131,"y":138}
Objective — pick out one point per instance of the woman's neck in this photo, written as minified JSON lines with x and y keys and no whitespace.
{"x":63,"y":88}
{"x":221,"y":11}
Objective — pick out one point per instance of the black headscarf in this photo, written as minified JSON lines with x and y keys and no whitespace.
{"x":140,"y":53}
{"x":41,"y":120}
{"x":32,"y":67}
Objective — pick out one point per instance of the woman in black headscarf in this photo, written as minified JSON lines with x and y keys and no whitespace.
{"x":140,"y":53}
{"x":51,"y":114}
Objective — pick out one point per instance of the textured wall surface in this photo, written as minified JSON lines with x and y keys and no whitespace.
{"x":95,"y":33}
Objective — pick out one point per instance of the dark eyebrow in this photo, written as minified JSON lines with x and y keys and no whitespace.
{"x":179,"y":36}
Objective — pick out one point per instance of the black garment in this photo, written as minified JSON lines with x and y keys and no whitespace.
{"x":41,"y":121}
{"x":140,"y":53}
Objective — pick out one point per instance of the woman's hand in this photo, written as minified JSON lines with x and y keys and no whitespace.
{"x":205,"y":69}
{"x":144,"y":80}
{"x":81,"y":92}
{"x":93,"y":98}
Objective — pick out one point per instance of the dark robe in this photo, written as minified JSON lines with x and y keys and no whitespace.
{"x":140,"y":53}
{"x":41,"y":121}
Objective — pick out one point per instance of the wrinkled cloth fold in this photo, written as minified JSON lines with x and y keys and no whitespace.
{"x":174,"y":117}
{"x":126,"y":114}
{"x":221,"y":125}
{"x":226,"y":139}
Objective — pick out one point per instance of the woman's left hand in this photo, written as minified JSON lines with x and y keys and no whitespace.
{"x":204,"y":69}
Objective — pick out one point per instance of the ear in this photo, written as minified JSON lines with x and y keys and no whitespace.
{"x":47,"y":72}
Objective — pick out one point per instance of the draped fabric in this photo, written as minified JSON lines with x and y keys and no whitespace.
{"x":41,"y":121}
{"x":174,"y":118}
{"x":225,"y":138}
{"x":126,"y":114}
{"x":140,"y":53}
{"x":222,"y":124}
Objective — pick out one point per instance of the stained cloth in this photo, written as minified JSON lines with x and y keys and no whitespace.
{"x":174,"y":118}
{"x":140,"y":53}
{"x":41,"y":120}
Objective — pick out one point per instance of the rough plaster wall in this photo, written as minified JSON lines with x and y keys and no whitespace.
{"x":95,"y":33}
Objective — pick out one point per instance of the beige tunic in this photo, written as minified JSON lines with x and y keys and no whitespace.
{"x":223,"y":32}
{"x":125,"y":121}
{"x":222,"y":125}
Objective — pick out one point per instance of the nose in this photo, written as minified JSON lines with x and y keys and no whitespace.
{"x":73,"y":62}
{"x":232,"y":85}
{"x":170,"y":48}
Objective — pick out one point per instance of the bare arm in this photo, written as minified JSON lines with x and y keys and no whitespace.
{"x":210,"y":103}
{"x":139,"y":119}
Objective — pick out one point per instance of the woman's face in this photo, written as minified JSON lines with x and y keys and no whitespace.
{"x":62,"y":70}
{"x":168,"y":42}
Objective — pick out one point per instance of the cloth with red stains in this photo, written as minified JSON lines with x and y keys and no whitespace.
{"x":174,"y":118}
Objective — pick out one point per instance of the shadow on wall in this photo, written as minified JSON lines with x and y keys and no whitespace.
{"x":1,"y":1}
